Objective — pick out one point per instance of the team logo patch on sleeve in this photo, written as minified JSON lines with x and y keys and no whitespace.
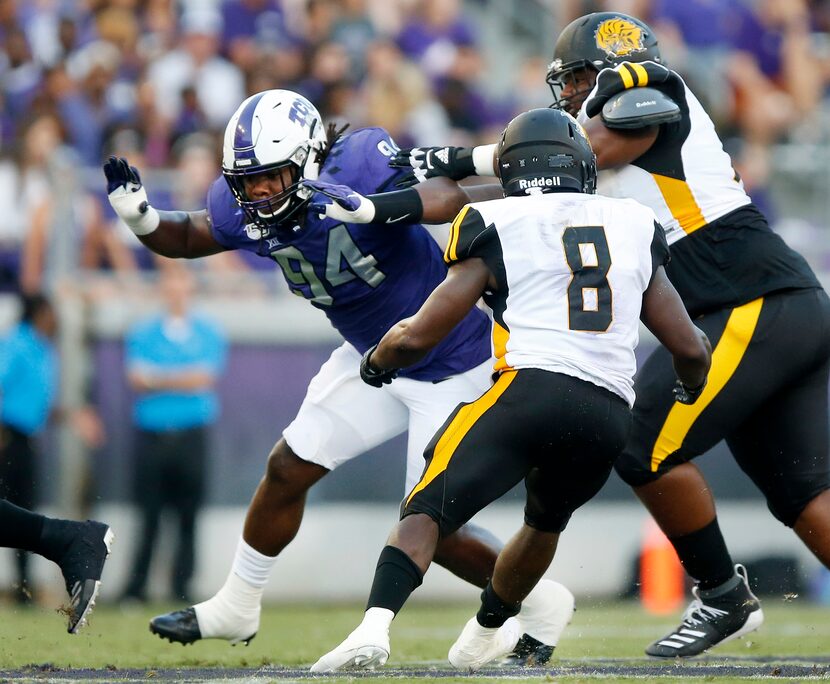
{"x":253,"y":231}
{"x":618,"y":37}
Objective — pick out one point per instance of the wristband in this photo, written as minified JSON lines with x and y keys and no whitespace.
{"x":464,"y":164}
{"x":400,"y":206}
{"x":482,"y":158}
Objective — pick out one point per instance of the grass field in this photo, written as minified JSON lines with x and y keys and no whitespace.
{"x":604,"y":642}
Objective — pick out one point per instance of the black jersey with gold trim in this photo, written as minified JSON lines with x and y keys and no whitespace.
{"x":723,"y":252}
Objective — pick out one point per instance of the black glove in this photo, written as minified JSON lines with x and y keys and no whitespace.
{"x":611,"y":81}
{"x":128,"y":196}
{"x":119,"y":174}
{"x":375,"y":376}
{"x":429,"y":162}
{"x":684,"y":394}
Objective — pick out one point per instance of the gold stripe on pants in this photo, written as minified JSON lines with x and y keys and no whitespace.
{"x":726,"y":358}
{"x":458,"y":428}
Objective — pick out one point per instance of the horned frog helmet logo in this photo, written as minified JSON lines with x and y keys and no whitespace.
{"x":618,"y":37}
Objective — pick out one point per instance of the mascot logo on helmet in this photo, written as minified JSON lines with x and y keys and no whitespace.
{"x":619,"y":37}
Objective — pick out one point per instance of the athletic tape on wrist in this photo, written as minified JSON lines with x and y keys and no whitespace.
{"x":483,"y":159}
{"x":146,"y":223}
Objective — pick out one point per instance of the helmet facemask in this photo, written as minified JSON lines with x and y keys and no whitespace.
{"x":268,"y":212}
{"x":579,"y":77}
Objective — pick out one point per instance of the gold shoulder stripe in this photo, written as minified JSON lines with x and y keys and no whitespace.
{"x":626,"y":76}
{"x":450,"y":254}
{"x":642,"y":74}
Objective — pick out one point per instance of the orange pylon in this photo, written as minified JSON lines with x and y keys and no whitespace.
{"x":662,"y":578}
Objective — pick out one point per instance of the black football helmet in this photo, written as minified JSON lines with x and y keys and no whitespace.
{"x":591,"y":43}
{"x":546,"y":149}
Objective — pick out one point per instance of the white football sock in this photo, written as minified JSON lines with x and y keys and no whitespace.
{"x":251,"y":565}
{"x":377,"y":619}
{"x":233,"y":613}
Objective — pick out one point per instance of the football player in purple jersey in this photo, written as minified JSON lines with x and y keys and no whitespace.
{"x":366,"y":275}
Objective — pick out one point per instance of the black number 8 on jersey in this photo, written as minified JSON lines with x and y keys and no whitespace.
{"x":589,"y":294}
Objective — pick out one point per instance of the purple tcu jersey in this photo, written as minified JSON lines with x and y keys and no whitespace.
{"x":366,"y":277}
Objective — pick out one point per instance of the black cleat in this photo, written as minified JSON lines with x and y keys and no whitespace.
{"x":529,"y":652}
{"x":706,"y":625}
{"x":82,"y":565}
{"x":180,"y":626}
{"x":545,"y":614}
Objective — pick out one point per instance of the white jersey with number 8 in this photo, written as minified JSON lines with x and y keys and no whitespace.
{"x":571,"y":271}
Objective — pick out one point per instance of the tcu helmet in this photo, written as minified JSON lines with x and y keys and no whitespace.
{"x":596,"y":41}
{"x":269,"y":132}
{"x":546,"y":149}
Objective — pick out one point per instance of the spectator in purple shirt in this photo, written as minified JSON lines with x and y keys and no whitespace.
{"x":87,"y":106}
{"x":431,"y":36}
{"x":21,"y":74}
{"x":774,"y":77}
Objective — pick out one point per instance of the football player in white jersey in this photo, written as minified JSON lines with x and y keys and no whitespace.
{"x":744,"y":286}
{"x":568,"y":275}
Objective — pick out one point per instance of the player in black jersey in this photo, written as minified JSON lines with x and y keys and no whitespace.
{"x":756,"y":299}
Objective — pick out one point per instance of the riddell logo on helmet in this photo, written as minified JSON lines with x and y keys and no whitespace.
{"x":545,"y":182}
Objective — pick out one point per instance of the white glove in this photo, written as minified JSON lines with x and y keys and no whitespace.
{"x":128,"y":196}
{"x":340,"y":203}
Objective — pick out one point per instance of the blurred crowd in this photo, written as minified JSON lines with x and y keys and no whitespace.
{"x":157,"y":80}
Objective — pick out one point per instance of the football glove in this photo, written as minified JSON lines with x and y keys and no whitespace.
{"x":340,"y":202}
{"x":128,"y":196}
{"x":683,"y":394}
{"x":375,"y":376}
{"x":430,"y":162}
{"x":611,"y":81}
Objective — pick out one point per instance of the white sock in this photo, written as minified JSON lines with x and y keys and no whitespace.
{"x":233,"y":613}
{"x":377,"y":619}
{"x":251,"y":565}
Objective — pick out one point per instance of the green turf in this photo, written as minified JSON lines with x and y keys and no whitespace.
{"x":297,"y":635}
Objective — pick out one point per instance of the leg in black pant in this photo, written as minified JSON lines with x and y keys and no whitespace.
{"x":189,"y":468}
{"x":150,"y":485}
{"x":17,"y":485}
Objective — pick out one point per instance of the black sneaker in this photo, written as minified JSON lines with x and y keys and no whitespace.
{"x":82,"y":565}
{"x":529,"y":652}
{"x":706,"y":625}
{"x":182,"y":626}
{"x":545,"y":617}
